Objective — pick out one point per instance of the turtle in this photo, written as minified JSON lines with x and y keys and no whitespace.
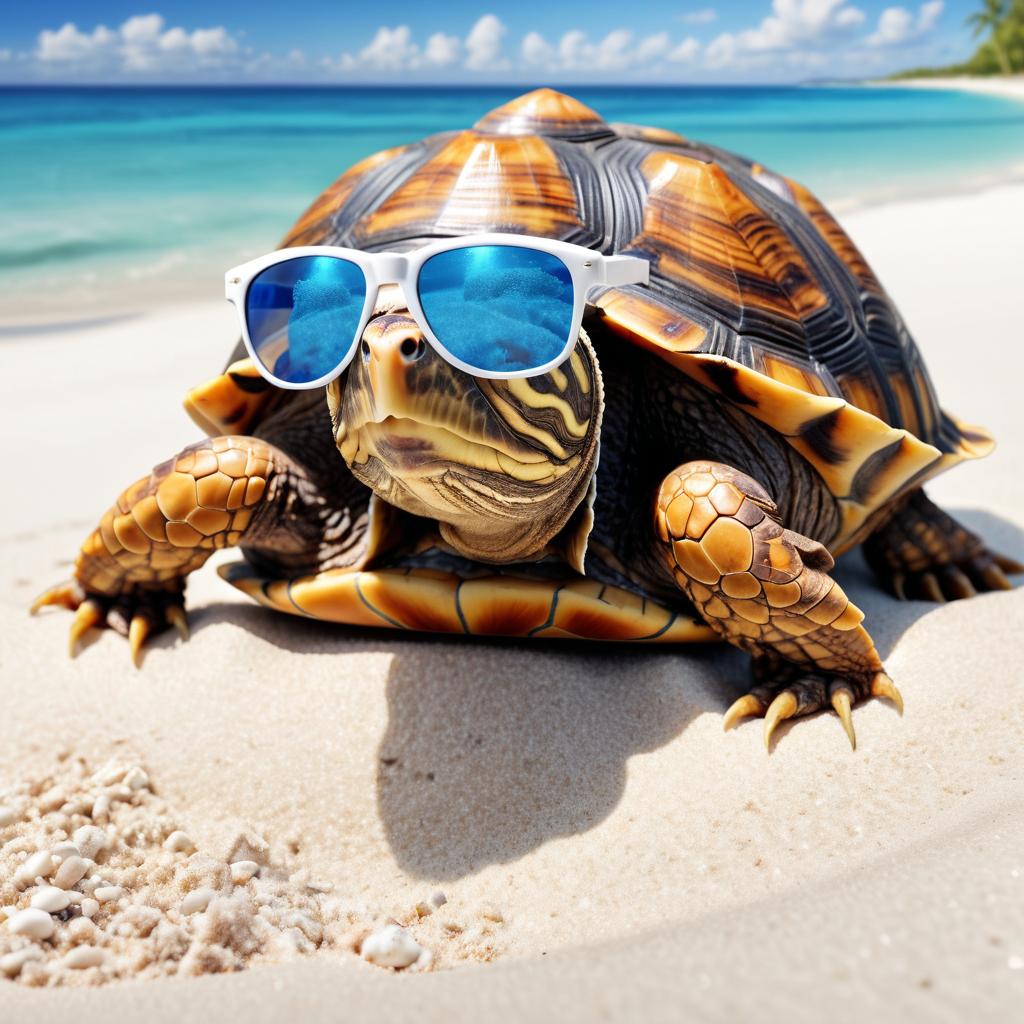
{"x":688,"y":474}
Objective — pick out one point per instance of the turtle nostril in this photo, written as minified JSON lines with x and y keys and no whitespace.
{"x":411,"y":348}
{"x":366,"y":351}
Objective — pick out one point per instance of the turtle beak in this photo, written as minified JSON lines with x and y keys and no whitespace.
{"x":391,"y":345}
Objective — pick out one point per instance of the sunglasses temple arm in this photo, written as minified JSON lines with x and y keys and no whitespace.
{"x":625,"y":270}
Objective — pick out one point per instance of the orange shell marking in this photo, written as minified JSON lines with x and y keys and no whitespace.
{"x":514,"y":183}
{"x":426,"y":600}
{"x":544,"y":112}
{"x":707,"y":233}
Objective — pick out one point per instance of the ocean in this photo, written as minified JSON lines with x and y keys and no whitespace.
{"x":118,"y":199}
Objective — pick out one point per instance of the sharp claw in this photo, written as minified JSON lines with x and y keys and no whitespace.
{"x":62,"y":595}
{"x":960,"y":585}
{"x":783,"y":707}
{"x":178,"y":619}
{"x":841,"y":703}
{"x":743,"y":708}
{"x":883,"y":686}
{"x":88,"y":615}
{"x":137,"y":633}
{"x":897,"y":585}
{"x":994,"y":577}
{"x":931,"y":589}
{"x":1007,"y":564}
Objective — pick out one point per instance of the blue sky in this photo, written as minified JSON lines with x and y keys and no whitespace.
{"x":128,"y":41}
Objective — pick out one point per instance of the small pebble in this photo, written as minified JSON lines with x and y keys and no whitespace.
{"x":51,"y":899}
{"x":91,"y":840}
{"x":8,"y":816}
{"x":101,"y":808}
{"x":197,"y":901}
{"x":65,"y":850}
{"x":34,"y":923}
{"x":108,"y":892}
{"x":90,"y":907}
{"x":179,"y":842}
{"x":439,"y":899}
{"x":39,"y":865}
{"x":136,"y":779}
{"x":243,"y":870}
{"x":83,"y":956}
{"x":12,"y":964}
{"x":70,"y":873}
{"x":391,"y":946}
{"x":423,"y":909}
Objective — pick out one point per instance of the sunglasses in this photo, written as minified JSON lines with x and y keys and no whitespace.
{"x":494,"y":305}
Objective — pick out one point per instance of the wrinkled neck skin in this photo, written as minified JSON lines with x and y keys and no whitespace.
{"x":501,"y":465}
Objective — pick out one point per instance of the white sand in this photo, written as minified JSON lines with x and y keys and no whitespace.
{"x":1011,"y":88}
{"x":636,"y":855}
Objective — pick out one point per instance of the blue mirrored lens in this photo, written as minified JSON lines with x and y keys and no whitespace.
{"x":500,"y":308}
{"x":303,"y":315}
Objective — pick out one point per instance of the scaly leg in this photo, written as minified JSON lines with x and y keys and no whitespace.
{"x":923,"y":553}
{"x":130,"y":573}
{"x":767,"y":590}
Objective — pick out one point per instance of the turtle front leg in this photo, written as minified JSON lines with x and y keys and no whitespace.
{"x":767,"y":590}
{"x":130,"y":573}
{"x":923,"y":553}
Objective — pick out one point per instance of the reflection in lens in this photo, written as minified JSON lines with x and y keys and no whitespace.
{"x":303,"y":314}
{"x":500,"y":308}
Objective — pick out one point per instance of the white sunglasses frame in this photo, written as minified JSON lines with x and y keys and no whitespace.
{"x":586,"y":267}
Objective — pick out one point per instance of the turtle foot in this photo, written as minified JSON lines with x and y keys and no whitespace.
{"x":136,"y":614}
{"x":982,"y":572}
{"x":785,"y":691}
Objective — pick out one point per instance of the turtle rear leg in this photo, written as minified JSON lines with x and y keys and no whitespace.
{"x":768,"y":591}
{"x":130,"y":573}
{"x":923,"y":553}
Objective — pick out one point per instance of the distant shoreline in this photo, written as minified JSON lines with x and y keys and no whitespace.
{"x":987,"y":85}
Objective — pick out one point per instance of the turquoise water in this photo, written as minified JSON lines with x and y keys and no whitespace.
{"x":116,"y":199}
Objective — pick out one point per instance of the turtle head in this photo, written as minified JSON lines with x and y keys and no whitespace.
{"x":500,"y":464}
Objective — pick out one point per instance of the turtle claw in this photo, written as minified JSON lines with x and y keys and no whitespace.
{"x":65,"y":595}
{"x":178,"y":619}
{"x":784,"y":690}
{"x":747,"y":706}
{"x":1007,"y":564}
{"x":138,"y":631}
{"x":955,"y":581}
{"x":782,"y":707}
{"x":883,"y":686}
{"x":89,"y":614}
{"x":136,"y":614}
{"x":841,"y":702}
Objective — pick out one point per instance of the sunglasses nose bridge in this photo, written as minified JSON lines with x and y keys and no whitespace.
{"x":391,"y":268}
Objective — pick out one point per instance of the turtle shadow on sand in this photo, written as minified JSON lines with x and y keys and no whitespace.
{"x":474,"y":768}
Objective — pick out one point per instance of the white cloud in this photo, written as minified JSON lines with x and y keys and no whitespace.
{"x":391,"y":49}
{"x":535,"y":49}
{"x":483,"y":44}
{"x":442,"y":51}
{"x":575,"y":51}
{"x":685,"y":52}
{"x":898,"y":26}
{"x":704,"y":16}
{"x":807,"y":25}
{"x":141,"y":44}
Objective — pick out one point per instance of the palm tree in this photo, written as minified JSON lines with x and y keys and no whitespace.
{"x":990,"y":18}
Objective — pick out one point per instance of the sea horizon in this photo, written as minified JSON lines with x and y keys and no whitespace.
{"x":126,"y":198}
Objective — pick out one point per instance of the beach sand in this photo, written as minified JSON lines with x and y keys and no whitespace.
{"x":1008,"y":87}
{"x":597,"y":835}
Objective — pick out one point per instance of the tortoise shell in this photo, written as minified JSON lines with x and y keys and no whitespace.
{"x":755,"y":290}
